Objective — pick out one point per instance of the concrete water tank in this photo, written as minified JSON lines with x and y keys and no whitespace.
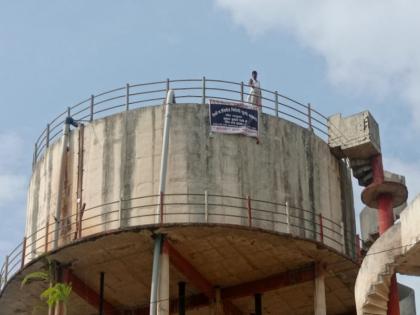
{"x":242,"y":220}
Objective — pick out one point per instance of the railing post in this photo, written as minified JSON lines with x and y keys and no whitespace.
{"x":167,"y":86}
{"x":206,"y":206}
{"x":276,"y":102}
{"x":242,"y":91}
{"x":47,"y":137}
{"x":287,"y":218}
{"x":343,"y":238}
{"x":120,"y":213}
{"x":47,"y":232}
{"x":203,"y":101}
{"x":321,"y":228}
{"x":310,"y":117}
{"x":161,"y":207}
{"x":127,"y":96}
{"x":35,"y":155}
{"x":248,"y":204}
{"x":68,"y":112}
{"x":92,"y":100}
{"x":22,"y":262}
{"x":6,"y":269}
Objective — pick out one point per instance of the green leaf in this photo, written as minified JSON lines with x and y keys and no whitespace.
{"x":35,"y":276}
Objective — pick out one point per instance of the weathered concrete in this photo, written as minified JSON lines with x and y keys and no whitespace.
{"x":122,"y":158}
{"x":320,"y":307}
{"x":227,"y":256}
{"x":355,"y":137}
{"x":397,"y":250}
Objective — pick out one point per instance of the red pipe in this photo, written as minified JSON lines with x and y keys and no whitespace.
{"x":385,"y":221}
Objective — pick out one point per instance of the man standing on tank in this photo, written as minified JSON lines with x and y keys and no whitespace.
{"x":254,"y":96}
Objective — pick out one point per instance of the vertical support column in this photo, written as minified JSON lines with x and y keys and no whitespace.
{"x":287,"y":218}
{"x":203,"y":100}
{"x":181,"y":298}
{"x":343,"y":237}
{"x":320,"y":305}
{"x":101,"y":293}
{"x":258,"y":304}
{"x":155,"y":274}
{"x":92,"y":101}
{"x":242,"y":91}
{"x":6,"y":269}
{"x":206,"y":206}
{"x":127,"y":97}
{"x":385,"y":221}
{"x":248,"y":205}
{"x":310,"y":117}
{"x":276,"y":103}
{"x":163,"y":297}
{"x":22,"y":262}
{"x":47,"y":136}
{"x":321,"y":228}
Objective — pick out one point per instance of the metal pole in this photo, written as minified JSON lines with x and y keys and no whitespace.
{"x":242,"y":91}
{"x":92,"y":100}
{"x":47,"y":141}
{"x":203,"y":101}
{"x":170,"y":98}
{"x":321,"y":228}
{"x":206,"y":206}
{"x":35,"y":156}
{"x":258,"y":304}
{"x":249,"y":211}
{"x":167,"y":86}
{"x":155,"y":274}
{"x":68,"y":112}
{"x":309,"y":117}
{"x":287,"y":217}
{"x":6,"y":269}
{"x":276,"y":100}
{"x":127,"y":96}
{"x":101,"y":293}
{"x":343,"y":238}
{"x":22,"y":261}
{"x":181,"y":298}
{"x":120,"y":212}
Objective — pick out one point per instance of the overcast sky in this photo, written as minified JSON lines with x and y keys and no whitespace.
{"x":342,"y":56}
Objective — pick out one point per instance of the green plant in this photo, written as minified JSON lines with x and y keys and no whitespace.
{"x":57,"y":292}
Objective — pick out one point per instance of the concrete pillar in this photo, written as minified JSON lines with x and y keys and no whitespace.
{"x":320,"y":305}
{"x":385,"y":221}
{"x":163,"y":293}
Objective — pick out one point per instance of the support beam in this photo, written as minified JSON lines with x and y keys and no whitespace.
{"x":189,"y":271}
{"x":155,"y":274}
{"x":101,"y":293}
{"x":258,"y":304}
{"x":163,"y":297}
{"x":274,"y":282}
{"x":320,"y":305}
{"x":87,"y":293}
{"x":181,"y":298}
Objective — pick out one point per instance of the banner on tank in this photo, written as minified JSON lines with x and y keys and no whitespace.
{"x":233,"y":118}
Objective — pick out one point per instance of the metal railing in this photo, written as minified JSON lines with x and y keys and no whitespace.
{"x":186,"y":91}
{"x":199,"y":208}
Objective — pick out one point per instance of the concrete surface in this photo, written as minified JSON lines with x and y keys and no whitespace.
{"x":122,"y":159}
{"x":397,"y":250}
{"x":355,"y":136}
{"x":226,"y":256}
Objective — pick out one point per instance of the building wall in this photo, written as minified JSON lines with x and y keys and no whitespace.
{"x":122,"y":156}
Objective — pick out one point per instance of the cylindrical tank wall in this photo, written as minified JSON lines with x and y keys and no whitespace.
{"x":121,"y":161}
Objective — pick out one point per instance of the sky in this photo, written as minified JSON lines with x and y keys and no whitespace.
{"x":342,"y":56}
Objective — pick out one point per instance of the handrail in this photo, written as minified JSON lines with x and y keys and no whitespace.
{"x":114,"y":215}
{"x":109,"y":102}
